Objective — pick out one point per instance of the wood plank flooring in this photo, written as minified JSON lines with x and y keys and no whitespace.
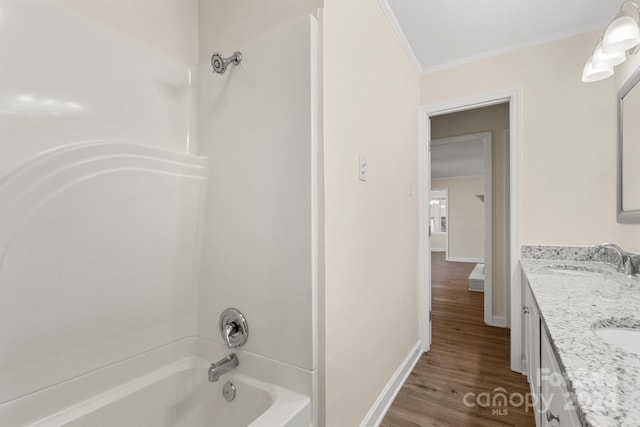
{"x":467,"y":358}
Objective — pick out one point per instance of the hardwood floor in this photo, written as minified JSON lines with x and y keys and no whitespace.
{"x":457,"y":383}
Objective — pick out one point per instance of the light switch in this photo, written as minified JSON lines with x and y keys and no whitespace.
{"x":362,"y":168}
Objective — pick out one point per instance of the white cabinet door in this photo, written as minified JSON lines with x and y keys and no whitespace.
{"x":557,"y":409}
{"x":532,"y":347}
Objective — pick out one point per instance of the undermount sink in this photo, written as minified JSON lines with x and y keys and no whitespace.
{"x":626,"y":338}
{"x":574,"y":269}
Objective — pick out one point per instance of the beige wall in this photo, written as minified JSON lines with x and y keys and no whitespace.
{"x":466,"y":215}
{"x":494,"y":119}
{"x":170,"y":26}
{"x":624,"y":71}
{"x":226,"y":25}
{"x":370,"y":108}
{"x":569,"y":139}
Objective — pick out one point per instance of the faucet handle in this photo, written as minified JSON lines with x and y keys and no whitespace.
{"x":233,"y":328}
{"x":230,"y":330}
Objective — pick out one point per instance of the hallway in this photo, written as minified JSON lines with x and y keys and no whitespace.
{"x":455,"y":383}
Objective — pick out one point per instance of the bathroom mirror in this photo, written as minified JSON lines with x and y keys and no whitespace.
{"x":628,"y":199}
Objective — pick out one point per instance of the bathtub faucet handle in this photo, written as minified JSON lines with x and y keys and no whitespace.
{"x":233,"y":328}
{"x":230,"y":331}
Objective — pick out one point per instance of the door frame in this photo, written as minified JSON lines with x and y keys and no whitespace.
{"x":513,"y":312}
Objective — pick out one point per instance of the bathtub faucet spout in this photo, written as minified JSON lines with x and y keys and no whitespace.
{"x":222,"y":366}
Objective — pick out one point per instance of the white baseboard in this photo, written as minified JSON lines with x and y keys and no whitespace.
{"x":499,"y":321}
{"x":385,"y":399}
{"x":438,"y":249}
{"x":460,"y":259}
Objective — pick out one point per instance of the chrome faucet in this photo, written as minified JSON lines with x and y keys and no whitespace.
{"x":624,"y":263}
{"x":216,"y":370}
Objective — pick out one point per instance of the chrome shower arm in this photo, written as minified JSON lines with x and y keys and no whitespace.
{"x":220,"y":63}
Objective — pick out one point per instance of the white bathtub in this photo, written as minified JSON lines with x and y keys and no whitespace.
{"x":176,"y":393}
{"x":180,"y":395}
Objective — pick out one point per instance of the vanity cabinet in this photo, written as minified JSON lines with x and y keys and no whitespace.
{"x":553,"y":406}
{"x":532,"y":346}
{"x":556,"y":407}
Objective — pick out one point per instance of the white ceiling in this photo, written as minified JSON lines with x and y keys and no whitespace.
{"x":443,"y":33}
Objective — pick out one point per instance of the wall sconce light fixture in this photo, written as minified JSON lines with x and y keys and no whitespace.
{"x":621,"y":35}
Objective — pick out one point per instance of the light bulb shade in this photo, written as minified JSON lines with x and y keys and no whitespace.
{"x":600,"y":59}
{"x":621,"y":35}
{"x":591,"y":74}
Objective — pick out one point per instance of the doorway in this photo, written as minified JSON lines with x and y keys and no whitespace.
{"x":471,"y":166}
{"x":511,"y":317}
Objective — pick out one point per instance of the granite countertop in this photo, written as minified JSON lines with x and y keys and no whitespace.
{"x":573,"y":296}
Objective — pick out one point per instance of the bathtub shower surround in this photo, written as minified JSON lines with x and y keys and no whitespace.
{"x":66,"y":78}
{"x":99,"y":199}
{"x":89,"y":268}
{"x":108,"y":232}
{"x":257,"y":128}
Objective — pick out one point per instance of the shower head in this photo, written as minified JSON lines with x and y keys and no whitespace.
{"x":219,"y":63}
